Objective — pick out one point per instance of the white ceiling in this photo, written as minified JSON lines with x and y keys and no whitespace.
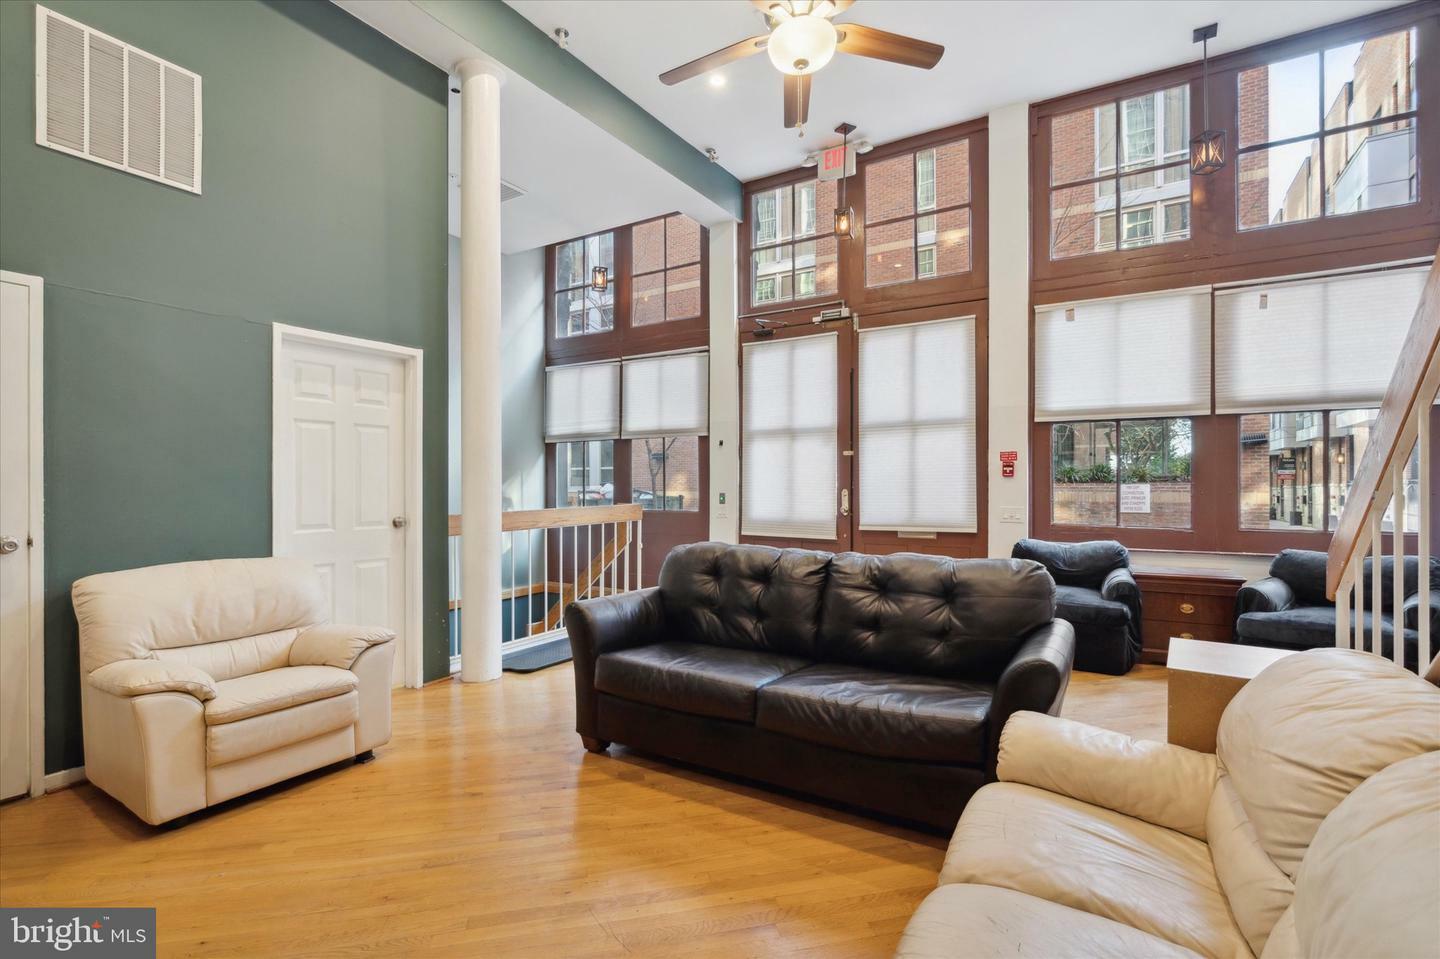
{"x":577,"y":177}
{"x":997,"y":52}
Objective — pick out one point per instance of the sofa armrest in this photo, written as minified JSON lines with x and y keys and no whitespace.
{"x":604,"y":625}
{"x":1162,"y":784}
{"x":1035,"y":680}
{"x":139,"y":677}
{"x":1268,"y":595}
{"x":336,"y":644}
{"x":1120,"y":587}
{"x":1411,"y":610}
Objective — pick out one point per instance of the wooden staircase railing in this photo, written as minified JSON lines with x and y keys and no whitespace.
{"x":569,"y":552}
{"x":1402,"y":426}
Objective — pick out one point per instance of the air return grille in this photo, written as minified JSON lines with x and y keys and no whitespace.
{"x":99,"y":98}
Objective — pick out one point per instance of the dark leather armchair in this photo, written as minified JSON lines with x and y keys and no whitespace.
{"x":1096,"y":593}
{"x":878,"y":681}
{"x":1289,"y":609}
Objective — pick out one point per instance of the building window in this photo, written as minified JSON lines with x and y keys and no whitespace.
{"x":914,"y":202}
{"x":665,"y":472}
{"x":926,"y":261}
{"x":1296,"y":469}
{"x":1328,"y":133}
{"x":580,"y":310}
{"x":665,"y":270}
{"x":1177,"y":220}
{"x":585,"y":473}
{"x":1134,"y":149}
{"x":1125,"y":473}
{"x":787,"y":243}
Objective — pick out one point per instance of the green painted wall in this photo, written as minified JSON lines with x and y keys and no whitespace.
{"x":518,"y":44}
{"x":323,"y":207}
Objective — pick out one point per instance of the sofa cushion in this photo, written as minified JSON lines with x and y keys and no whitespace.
{"x":235,"y":657}
{"x":258,"y":693}
{"x":1313,"y":627}
{"x":1085,"y":607}
{"x":1303,"y":570}
{"x":932,"y":615}
{"x":880,"y":714}
{"x":692,"y":677}
{"x":1099,"y":861}
{"x":1075,"y":564}
{"x":1371,"y":878}
{"x":745,"y":597}
{"x":126,"y":614}
{"x":244,"y":738}
{"x":961,"y":919}
{"x":1300,"y":736}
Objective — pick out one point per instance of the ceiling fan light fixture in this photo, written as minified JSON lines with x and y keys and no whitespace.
{"x":802,"y":45}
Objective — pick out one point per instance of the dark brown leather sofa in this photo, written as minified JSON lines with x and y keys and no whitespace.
{"x":878,"y":681}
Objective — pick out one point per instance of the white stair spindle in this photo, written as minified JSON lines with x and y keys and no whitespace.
{"x":1422,"y":540}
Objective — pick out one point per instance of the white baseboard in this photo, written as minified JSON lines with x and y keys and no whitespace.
{"x":65,"y":777}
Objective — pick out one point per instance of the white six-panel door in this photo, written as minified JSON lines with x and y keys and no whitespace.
{"x":340,"y":478}
{"x":21,"y":661}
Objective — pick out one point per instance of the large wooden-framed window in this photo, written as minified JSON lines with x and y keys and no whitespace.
{"x":914,"y":276}
{"x":1279,"y":207}
{"x":657,"y":305}
{"x":1305,"y":117}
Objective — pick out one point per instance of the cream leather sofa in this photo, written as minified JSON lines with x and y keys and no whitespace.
{"x":1314,"y":831}
{"x":203,"y":681}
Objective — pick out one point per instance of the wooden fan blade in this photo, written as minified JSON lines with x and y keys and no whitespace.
{"x":878,"y":45}
{"x":797,"y":100}
{"x":736,"y":51}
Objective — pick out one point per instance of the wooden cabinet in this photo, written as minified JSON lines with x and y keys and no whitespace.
{"x":1189,"y":604}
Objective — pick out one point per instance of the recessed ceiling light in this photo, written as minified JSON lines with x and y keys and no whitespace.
{"x":717,"y":80}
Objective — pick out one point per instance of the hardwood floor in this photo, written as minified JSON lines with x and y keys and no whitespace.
{"x":483,"y":829}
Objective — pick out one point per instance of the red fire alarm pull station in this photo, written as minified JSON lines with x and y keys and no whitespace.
{"x":1007,"y":463}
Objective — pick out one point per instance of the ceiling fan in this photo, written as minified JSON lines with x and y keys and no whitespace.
{"x":802,"y":40}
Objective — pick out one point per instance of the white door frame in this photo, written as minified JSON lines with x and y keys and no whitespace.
{"x":413,"y":361}
{"x":36,"y":532}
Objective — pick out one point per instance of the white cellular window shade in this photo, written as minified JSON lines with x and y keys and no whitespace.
{"x":582,"y":402}
{"x":1312,"y":344}
{"x":917,"y":427}
{"x":1139,"y":356}
{"x":99,"y":98}
{"x":666,"y":395}
{"x":788,"y":445}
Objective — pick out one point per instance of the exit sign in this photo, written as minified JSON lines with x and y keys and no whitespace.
{"x":834,"y":163}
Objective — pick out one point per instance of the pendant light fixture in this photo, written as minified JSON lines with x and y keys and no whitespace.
{"x":1207,"y":149}
{"x":599,"y":279}
{"x":844,"y":215}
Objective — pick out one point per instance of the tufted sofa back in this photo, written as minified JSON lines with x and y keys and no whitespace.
{"x":249,"y":609}
{"x":746,"y":597}
{"x":906,"y":613}
{"x":932,"y":615}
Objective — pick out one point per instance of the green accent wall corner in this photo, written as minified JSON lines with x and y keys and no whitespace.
{"x":324,"y":206}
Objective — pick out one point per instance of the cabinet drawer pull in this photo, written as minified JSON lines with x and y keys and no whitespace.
{"x":1187,"y":608}
{"x":1187,"y":635}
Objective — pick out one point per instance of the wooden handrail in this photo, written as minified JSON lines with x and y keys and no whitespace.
{"x":523,"y":519}
{"x":1421,"y":350}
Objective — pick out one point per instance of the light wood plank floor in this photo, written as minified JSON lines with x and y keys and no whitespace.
{"x":483,"y":829}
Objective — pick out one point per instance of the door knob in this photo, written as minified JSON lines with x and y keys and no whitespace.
{"x":398,"y":522}
{"x":9,"y":544}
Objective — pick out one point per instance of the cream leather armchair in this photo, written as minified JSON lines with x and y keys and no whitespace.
{"x":204,"y":681}
{"x":1313,"y":831}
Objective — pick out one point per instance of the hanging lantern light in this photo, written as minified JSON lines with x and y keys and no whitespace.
{"x":844,"y":214}
{"x":1207,"y":148}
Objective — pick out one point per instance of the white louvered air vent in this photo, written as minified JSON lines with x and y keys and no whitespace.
{"x":100,"y":98}
{"x":509,"y":191}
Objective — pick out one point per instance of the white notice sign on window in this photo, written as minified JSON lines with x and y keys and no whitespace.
{"x":1134,"y":497}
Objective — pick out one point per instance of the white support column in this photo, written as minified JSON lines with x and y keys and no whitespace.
{"x":724,"y":436}
{"x":480,"y":480}
{"x":1008,"y":513}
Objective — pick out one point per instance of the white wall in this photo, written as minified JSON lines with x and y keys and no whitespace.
{"x":724,"y":385}
{"x":1008,"y":516}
